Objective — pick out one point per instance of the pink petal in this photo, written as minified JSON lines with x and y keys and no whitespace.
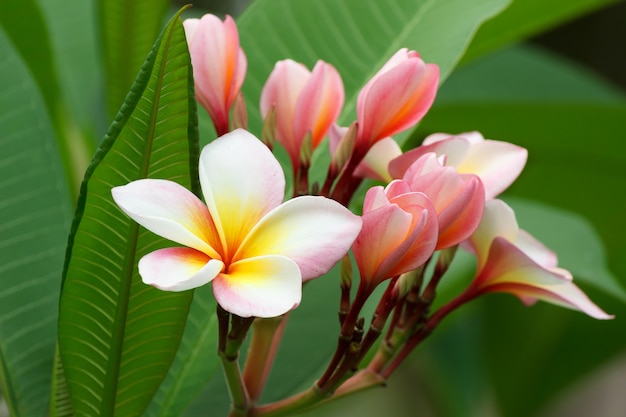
{"x":396,"y":99}
{"x":178,"y":269}
{"x":281,"y":91}
{"x":497,"y":164}
{"x":458,"y":199}
{"x":396,"y":237}
{"x":319,"y":103}
{"x":455,"y":149}
{"x":314,"y":232}
{"x":219,"y":65}
{"x":241,"y":181}
{"x":508,"y":269}
{"x":384,"y":230}
{"x":171,"y":211}
{"x":266,"y":286}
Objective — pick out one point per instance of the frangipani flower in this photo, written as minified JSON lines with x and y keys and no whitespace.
{"x":396,"y":97}
{"x":399,"y":233}
{"x":512,"y":261}
{"x":459,"y":199}
{"x":219,"y":65}
{"x":497,"y":163}
{"x":304,"y":101}
{"x":255,"y":250}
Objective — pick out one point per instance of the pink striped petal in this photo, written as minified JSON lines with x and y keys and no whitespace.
{"x":397,"y":97}
{"x":314,"y":232}
{"x":219,"y":65}
{"x":171,"y":211}
{"x":281,"y":91}
{"x":508,"y":269}
{"x":319,"y":103}
{"x":384,"y":230}
{"x":241,"y":181}
{"x":266,"y":286}
{"x":178,"y":269}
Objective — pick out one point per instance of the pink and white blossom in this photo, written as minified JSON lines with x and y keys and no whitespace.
{"x":512,"y":261}
{"x":255,"y":249}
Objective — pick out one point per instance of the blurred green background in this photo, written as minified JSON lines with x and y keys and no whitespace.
{"x":550,"y":76}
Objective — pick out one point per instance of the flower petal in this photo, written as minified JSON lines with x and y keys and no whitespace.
{"x":314,"y":232}
{"x":241,"y":181}
{"x":498,"y":220}
{"x":178,"y":269}
{"x":509,"y":270}
{"x":171,"y":211}
{"x":377,"y":159}
{"x":281,"y":91}
{"x":497,"y":164}
{"x":319,"y":103}
{"x":266,"y":286}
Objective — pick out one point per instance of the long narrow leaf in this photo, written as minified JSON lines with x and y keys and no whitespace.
{"x":118,"y":336}
{"x":128,"y":29}
{"x":35,"y":215}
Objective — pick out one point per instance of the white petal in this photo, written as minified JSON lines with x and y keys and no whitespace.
{"x":178,"y":269}
{"x":314,"y":232}
{"x":241,"y":181}
{"x":266,"y":286}
{"x":169,"y":210}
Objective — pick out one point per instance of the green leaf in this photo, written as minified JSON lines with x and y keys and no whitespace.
{"x":525,"y":18}
{"x":195,"y":362}
{"x":128,"y":29}
{"x":35,"y":215}
{"x":25,"y":26}
{"x":72,"y":35}
{"x":118,"y":336}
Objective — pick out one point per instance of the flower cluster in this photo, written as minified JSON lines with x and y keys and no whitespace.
{"x":257,"y":250}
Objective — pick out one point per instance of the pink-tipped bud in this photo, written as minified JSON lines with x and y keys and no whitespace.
{"x":305,"y":101}
{"x":396,"y":98}
{"x":219,"y":65}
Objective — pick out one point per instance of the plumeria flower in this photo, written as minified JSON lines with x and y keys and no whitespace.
{"x":512,"y":261}
{"x":399,"y":233}
{"x":497,"y":163}
{"x":459,"y":199}
{"x":396,"y":97}
{"x":254,"y":249}
{"x":219,"y":65}
{"x":304,"y":102}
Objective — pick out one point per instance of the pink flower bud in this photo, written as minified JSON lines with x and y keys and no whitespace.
{"x":459,"y":199}
{"x":304,"y":101}
{"x":399,"y":233}
{"x":219,"y":65}
{"x":396,"y":98}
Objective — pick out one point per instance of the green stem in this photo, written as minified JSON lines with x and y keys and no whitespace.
{"x":298,"y":402}
{"x":236,"y":388}
{"x":266,"y":337}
